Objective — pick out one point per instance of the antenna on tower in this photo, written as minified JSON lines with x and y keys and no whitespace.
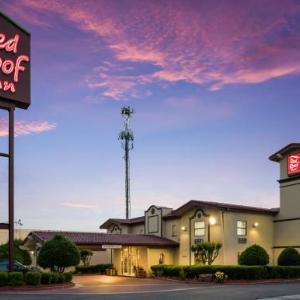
{"x":126,"y":136}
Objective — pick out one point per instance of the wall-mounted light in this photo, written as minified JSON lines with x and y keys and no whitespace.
{"x":212,"y":221}
{"x":255,"y":225}
{"x":183,"y":228}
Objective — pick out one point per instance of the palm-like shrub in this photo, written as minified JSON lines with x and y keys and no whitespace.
{"x":289,"y":257}
{"x":58,"y":253}
{"x":254,"y":255}
{"x":206,"y":252}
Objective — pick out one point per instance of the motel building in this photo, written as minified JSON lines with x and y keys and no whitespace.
{"x":166,"y":235}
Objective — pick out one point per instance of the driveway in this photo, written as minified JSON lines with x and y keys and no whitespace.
{"x":122,"y":288}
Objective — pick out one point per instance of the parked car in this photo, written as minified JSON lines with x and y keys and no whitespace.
{"x":18,"y":266}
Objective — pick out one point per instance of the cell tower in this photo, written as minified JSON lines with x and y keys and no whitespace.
{"x":126,"y":136}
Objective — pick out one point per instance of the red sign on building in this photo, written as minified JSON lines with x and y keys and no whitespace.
{"x":14,"y":63}
{"x":294,"y":163}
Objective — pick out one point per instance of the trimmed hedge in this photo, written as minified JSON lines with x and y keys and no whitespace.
{"x":68,"y":276}
{"x":289,"y":257}
{"x":15,"y":278}
{"x":45,"y":278}
{"x":254,"y":255}
{"x":32,"y":278}
{"x":233,"y":272}
{"x":93,"y":269}
{"x":3,"y":278}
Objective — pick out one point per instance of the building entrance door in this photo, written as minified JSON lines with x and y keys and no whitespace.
{"x":128,"y":261}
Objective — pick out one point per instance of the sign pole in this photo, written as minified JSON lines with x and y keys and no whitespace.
{"x":11,"y":187}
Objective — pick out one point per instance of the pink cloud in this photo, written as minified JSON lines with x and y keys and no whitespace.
{"x":26,"y":127}
{"x":78,"y":205}
{"x":201,"y":42}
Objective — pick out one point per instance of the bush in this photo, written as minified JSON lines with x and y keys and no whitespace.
{"x":54,"y":278}
{"x":3,"y":278}
{"x":46,"y":278}
{"x":60,"y":278}
{"x":32,"y":278}
{"x":232,"y":272}
{"x":68,"y":277}
{"x":58,"y":253}
{"x":254,"y":255}
{"x":15,"y":279}
{"x":100,"y":269}
{"x":21,"y":255}
{"x":289,"y":257}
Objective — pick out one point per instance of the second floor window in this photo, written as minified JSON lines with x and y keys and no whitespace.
{"x":174,"y":230}
{"x":199,"y":228}
{"x":241,"y":228}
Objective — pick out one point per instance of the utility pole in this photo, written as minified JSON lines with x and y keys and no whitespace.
{"x":126,"y":136}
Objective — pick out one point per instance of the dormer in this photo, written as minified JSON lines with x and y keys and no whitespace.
{"x":153,"y":219}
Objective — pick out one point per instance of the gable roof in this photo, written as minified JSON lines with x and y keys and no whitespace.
{"x":112,"y":221}
{"x":277,"y":156}
{"x":222,"y":206}
{"x":195,"y":204}
{"x":98,"y":239}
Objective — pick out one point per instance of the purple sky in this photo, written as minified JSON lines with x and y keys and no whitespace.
{"x":216,"y":90}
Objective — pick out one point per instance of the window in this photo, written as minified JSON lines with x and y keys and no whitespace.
{"x":174,"y":230}
{"x":241,"y":228}
{"x":199,"y":228}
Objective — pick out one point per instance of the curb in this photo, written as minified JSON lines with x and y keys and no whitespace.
{"x":36,"y":288}
{"x":232,"y":282}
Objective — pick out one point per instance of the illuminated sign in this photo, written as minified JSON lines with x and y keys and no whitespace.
{"x":294,"y":163}
{"x":111,"y":246}
{"x":14,"y":63}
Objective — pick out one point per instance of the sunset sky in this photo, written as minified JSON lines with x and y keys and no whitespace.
{"x":215,"y":86}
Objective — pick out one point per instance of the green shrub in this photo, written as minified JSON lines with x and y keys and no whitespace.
{"x":289,"y":257}
{"x":94,"y":269}
{"x":60,"y":278}
{"x":54,"y":278}
{"x":3,"y":278}
{"x":21,"y":255}
{"x":284,"y":271}
{"x":232,"y":272}
{"x":68,"y":276}
{"x":46,"y":278}
{"x":15,"y":278}
{"x":32,"y":278}
{"x":254,"y":255}
{"x":58,"y":253}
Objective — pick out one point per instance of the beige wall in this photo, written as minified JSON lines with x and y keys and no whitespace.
{"x":262,"y":235}
{"x":19,"y":234}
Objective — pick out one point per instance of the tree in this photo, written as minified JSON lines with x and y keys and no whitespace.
{"x":289,"y":257}
{"x":254,"y":255}
{"x":85,"y":256}
{"x":21,"y":255}
{"x":58,"y":253}
{"x":206,"y":252}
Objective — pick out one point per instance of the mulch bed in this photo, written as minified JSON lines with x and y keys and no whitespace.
{"x":42,"y":287}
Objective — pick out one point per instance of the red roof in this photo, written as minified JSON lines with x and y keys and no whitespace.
{"x":133,"y":221}
{"x":95,"y":238}
{"x":196,"y":204}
